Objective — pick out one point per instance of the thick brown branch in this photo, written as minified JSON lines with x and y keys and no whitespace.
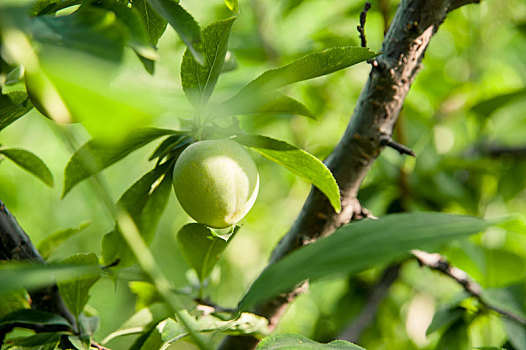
{"x":16,"y":245}
{"x":439,"y":263}
{"x":375,"y":115}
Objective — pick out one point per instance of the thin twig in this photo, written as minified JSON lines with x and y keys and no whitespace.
{"x":361,"y":27}
{"x":439,"y":263}
{"x":388,"y":141}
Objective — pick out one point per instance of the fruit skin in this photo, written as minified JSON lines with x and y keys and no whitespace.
{"x":216,"y":182}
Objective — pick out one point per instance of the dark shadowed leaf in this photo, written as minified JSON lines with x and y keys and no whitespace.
{"x":444,"y":318}
{"x":75,"y":292}
{"x":40,"y":341}
{"x":48,"y":245}
{"x":358,"y":246}
{"x":201,"y":247}
{"x":199,"y":80}
{"x":296,"y":160}
{"x":183,"y":23}
{"x":30,"y":162}
{"x":516,"y":333}
{"x":138,"y":38}
{"x":91,"y":30}
{"x":299,"y":342}
{"x":455,"y":337}
{"x":28,"y":316}
{"x":12,"y":106}
{"x":485,"y":108}
{"x":95,"y":155}
{"x":145,"y":203}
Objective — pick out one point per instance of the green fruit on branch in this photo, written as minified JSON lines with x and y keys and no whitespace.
{"x":216,"y":182}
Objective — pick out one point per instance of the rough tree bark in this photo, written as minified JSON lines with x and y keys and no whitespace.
{"x":367,"y":133}
{"x":16,"y":245}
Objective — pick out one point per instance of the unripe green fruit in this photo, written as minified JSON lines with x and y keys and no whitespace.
{"x":216,"y":182}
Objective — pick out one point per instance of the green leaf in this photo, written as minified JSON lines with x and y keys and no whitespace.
{"x":30,"y":162}
{"x":311,"y":66}
{"x":486,"y":108}
{"x":155,"y":24}
{"x":233,"y":5}
{"x":13,"y":106}
{"x":169,"y":331}
{"x":140,"y":321}
{"x":138,"y":38}
{"x":183,"y":23}
{"x":146,"y":207}
{"x":48,"y":245}
{"x":14,"y":277}
{"x":444,"y":318}
{"x":359,"y":246}
{"x":516,"y":333}
{"x":201,"y":247}
{"x":75,"y":293}
{"x":13,"y":301}
{"x":271,"y":103}
{"x":81,"y":342}
{"x":455,"y":337}
{"x":297,"y":161}
{"x":171,"y":144}
{"x":34,"y":317}
{"x":39,"y":341}
{"x":199,"y":80}
{"x":299,"y":342}
{"x":91,"y":30}
{"x":145,"y":292}
{"x":96,"y":155}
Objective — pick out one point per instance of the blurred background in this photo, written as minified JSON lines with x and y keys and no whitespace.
{"x":464,"y":118}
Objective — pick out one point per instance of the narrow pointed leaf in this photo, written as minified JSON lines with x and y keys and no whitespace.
{"x":183,"y":23}
{"x":359,"y":246}
{"x":299,"y":342}
{"x":146,"y":207}
{"x":28,"y":316}
{"x":76,"y":292}
{"x":297,"y":161}
{"x":13,"y":106}
{"x":201,"y":247}
{"x":266,"y":103}
{"x":48,"y":245}
{"x":199,"y":80}
{"x":310,"y":66}
{"x":30,"y":162}
{"x":95,"y":155}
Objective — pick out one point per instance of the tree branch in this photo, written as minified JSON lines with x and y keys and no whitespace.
{"x":375,"y":115}
{"x":439,"y":263}
{"x":16,"y":245}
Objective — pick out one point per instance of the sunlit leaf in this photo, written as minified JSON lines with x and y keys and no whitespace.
{"x":299,"y":342}
{"x":233,"y":5}
{"x":48,"y":245}
{"x":297,"y":161}
{"x":75,"y":293}
{"x":155,"y":24}
{"x":199,"y":80}
{"x":30,"y":162}
{"x":358,"y":246}
{"x":201,"y":247}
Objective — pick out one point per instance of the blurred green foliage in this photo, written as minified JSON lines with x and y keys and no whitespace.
{"x":464,"y":117}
